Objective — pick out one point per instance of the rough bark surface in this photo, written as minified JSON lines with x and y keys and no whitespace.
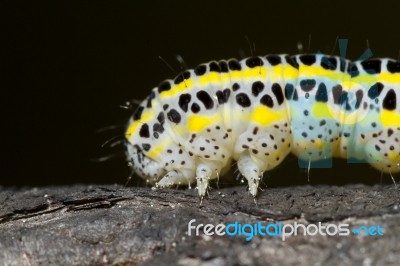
{"x":114,"y":225}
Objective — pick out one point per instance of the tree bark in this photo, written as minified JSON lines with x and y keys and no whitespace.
{"x":115,"y":225}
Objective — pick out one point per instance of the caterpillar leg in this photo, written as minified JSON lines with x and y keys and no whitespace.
{"x":203,"y":175}
{"x":206,"y":171}
{"x":174,"y":177}
{"x":251,"y":171}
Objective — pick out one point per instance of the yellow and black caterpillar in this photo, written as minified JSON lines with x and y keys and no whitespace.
{"x":258,"y":110}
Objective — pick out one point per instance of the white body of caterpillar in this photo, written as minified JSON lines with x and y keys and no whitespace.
{"x":258,"y":110}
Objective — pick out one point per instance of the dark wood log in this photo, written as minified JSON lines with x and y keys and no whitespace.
{"x":114,"y":225}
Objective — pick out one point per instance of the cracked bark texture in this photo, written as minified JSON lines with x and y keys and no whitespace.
{"x":114,"y":225}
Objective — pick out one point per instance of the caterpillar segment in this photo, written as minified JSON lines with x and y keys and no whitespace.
{"x":258,"y":110}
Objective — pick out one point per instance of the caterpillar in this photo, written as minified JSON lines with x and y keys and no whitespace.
{"x":258,"y":110}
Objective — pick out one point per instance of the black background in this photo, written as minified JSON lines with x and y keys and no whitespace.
{"x":66,"y":67}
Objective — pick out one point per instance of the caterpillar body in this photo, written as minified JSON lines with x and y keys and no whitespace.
{"x":258,"y":110}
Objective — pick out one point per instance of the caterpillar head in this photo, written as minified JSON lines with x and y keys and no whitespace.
{"x":148,"y":169}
